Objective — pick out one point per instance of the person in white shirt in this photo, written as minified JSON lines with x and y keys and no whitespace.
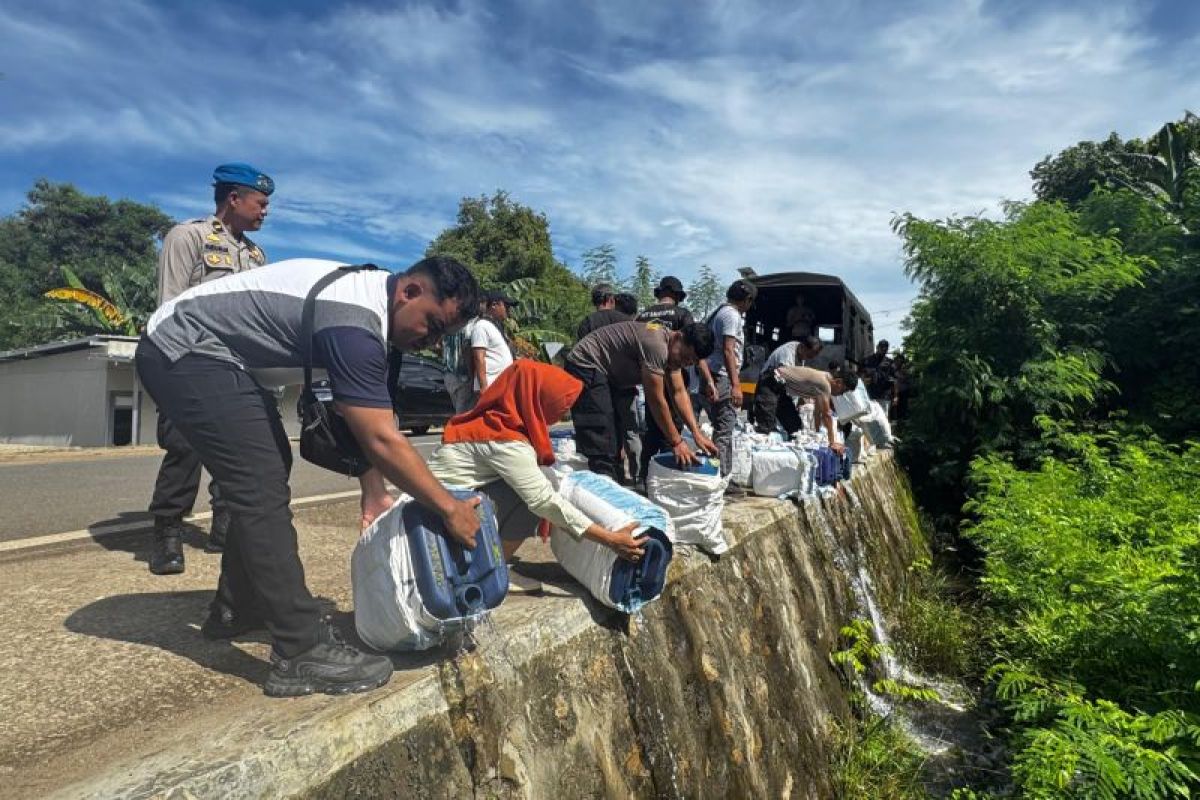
{"x":490,"y":352}
{"x":721,"y":371}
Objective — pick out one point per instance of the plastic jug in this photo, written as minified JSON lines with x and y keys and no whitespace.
{"x":705,"y":465}
{"x":636,"y":583}
{"x":455,"y":582}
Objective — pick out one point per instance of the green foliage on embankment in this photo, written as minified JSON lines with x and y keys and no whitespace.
{"x":1058,"y":400}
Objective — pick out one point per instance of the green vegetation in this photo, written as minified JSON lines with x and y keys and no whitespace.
{"x":64,"y":238}
{"x":874,"y":759}
{"x":936,"y":625}
{"x":1055,"y":359}
{"x":507,"y":245}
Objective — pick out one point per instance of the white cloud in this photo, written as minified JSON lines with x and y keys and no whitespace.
{"x":780,"y":135}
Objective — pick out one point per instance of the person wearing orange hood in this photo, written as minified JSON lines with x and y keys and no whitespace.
{"x":499,"y":448}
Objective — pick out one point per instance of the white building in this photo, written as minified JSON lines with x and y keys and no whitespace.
{"x":83,"y":393}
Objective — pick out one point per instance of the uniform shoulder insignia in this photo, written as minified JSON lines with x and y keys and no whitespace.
{"x":213,"y":259}
{"x":212,"y":237}
{"x":655,"y":325}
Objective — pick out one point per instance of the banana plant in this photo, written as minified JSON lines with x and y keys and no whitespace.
{"x":1167,"y":171}
{"x":530,"y":310}
{"x":107,"y":316}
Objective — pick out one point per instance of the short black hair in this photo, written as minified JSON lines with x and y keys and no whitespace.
{"x":451,"y":281}
{"x":811,"y":343}
{"x":741,"y":290}
{"x":699,"y":337}
{"x":601,"y":294}
{"x":626,"y":303}
{"x":221,"y":192}
{"x":848,"y":379}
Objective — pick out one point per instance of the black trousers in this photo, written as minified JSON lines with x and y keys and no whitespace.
{"x":771,"y":403}
{"x":654,"y":441}
{"x":233,"y":425}
{"x":178,"y":479}
{"x":595,"y":421}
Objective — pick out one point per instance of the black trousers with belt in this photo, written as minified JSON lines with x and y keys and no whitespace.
{"x":771,"y":403}
{"x":595,"y":421}
{"x":233,"y":424}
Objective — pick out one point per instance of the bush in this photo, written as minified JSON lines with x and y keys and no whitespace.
{"x":1091,"y":572}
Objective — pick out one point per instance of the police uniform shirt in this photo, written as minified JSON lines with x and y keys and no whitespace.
{"x":202,"y":250}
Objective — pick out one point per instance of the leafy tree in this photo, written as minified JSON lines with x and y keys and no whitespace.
{"x":1071,"y":175}
{"x":1004,"y":332}
{"x":705,"y":292}
{"x":100,"y":240}
{"x":499,"y":239}
{"x":1090,"y":575}
{"x":641,"y":284}
{"x":503,"y":241}
{"x":600,"y":265}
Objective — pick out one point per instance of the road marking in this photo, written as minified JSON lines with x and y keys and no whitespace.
{"x":124,"y":527}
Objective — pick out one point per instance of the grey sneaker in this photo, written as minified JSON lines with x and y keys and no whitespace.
{"x":166,"y":556}
{"x":330,"y":667}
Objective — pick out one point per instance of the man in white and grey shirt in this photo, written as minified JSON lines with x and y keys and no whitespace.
{"x":206,"y":359}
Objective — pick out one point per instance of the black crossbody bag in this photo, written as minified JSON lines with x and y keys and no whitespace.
{"x":325,"y":438}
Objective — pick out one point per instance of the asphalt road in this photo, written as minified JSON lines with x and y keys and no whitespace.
{"x":59,"y":496}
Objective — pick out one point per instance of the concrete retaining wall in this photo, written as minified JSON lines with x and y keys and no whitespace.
{"x":724,"y":688}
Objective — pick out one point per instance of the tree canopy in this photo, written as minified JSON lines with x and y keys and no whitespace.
{"x":111,"y":246}
{"x":503,"y":241}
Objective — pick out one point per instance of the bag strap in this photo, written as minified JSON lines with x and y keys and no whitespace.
{"x":309,"y":311}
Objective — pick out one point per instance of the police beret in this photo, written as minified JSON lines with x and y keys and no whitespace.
{"x":244,"y":175}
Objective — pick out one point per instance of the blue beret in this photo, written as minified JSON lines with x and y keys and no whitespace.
{"x":244,"y":175}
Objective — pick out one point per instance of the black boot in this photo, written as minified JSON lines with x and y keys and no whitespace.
{"x":166,"y":556}
{"x":330,"y":666}
{"x":217,"y":532}
{"x":225,"y":623}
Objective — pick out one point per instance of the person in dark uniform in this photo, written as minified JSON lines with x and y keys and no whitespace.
{"x":670,"y":313}
{"x":604,"y":300}
{"x":196,"y":252}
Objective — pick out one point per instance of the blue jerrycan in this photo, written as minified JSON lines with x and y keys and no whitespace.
{"x":705,"y":465}
{"x":635,"y":584}
{"x":631,"y":584}
{"x":453,"y":581}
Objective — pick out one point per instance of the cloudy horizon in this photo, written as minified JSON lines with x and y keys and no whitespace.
{"x":774,"y":135}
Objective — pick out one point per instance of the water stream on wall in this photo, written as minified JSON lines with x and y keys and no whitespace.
{"x":663,"y":735}
{"x":853,"y":563}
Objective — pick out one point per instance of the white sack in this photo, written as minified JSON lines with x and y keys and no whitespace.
{"x":611,"y":506}
{"x":388,"y":612}
{"x":851,"y":405}
{"x":776,"y":472}
{"x":876,"y":426}
{"x":694,"y":502}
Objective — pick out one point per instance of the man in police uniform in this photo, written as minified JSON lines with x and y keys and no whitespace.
{"x":195,"y":252}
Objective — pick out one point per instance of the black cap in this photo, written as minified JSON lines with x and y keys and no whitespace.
{"x":670,"y":285}
{"x":496,"y":296}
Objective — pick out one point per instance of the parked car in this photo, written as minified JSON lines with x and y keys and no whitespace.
{"x":421,"y":399}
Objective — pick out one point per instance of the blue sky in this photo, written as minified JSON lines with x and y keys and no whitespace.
{"x":777,"y":135}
